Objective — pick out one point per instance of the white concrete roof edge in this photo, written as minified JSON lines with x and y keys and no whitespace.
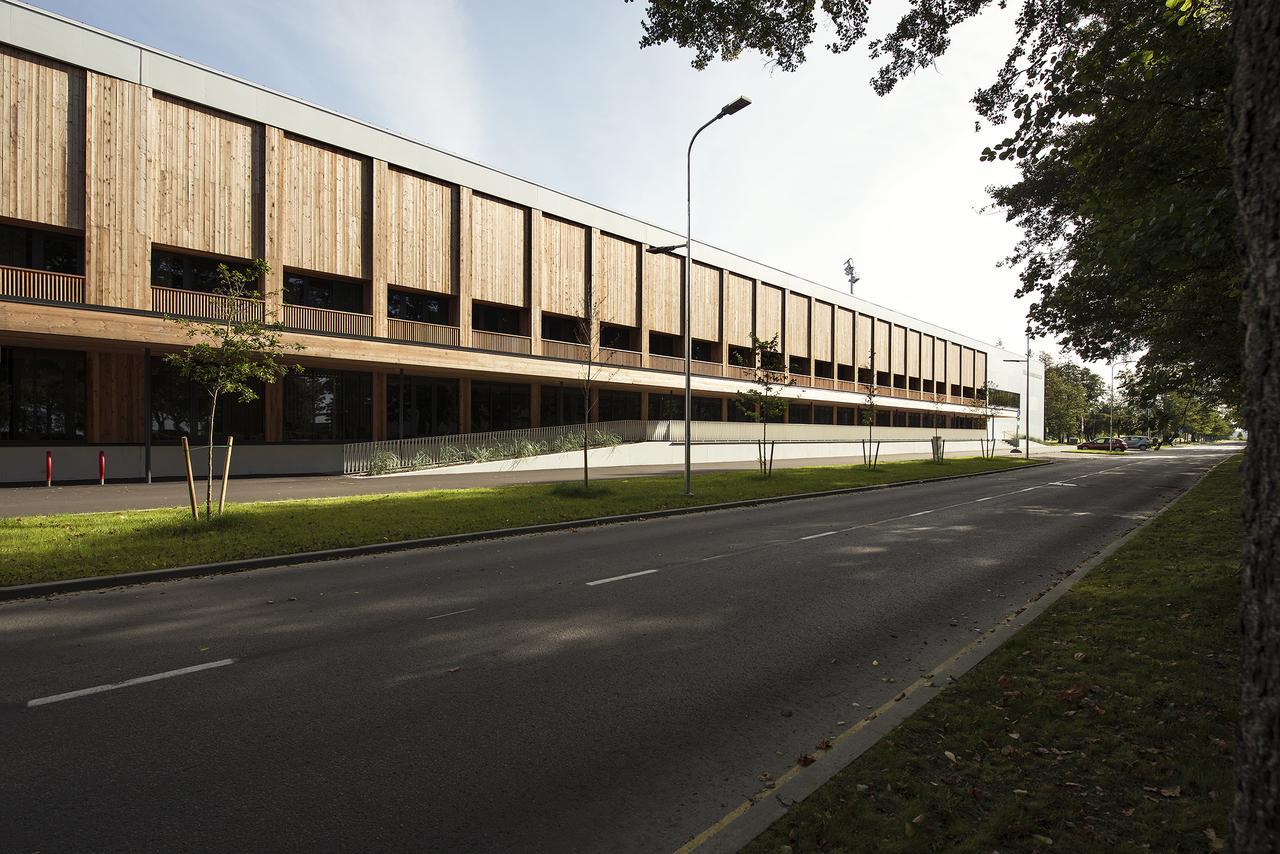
{"x":76,"y":43}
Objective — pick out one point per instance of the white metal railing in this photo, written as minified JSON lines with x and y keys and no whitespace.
{"x":433,"y":451}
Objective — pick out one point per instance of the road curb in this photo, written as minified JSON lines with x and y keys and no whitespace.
{"x":739,"y":827}
{"x":99,"y":582}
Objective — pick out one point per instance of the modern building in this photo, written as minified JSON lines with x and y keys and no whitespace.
{"x":432,"y":295}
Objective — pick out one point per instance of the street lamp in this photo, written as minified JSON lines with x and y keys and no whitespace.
{"x":727,"y":110}
{"x":1026,"y":401}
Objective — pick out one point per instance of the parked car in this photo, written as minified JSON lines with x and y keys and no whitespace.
{"x":1137,"y":443}
{"x":1108,"y":444}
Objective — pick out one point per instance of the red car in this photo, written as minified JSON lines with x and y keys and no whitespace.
{"x":1103,"y":445}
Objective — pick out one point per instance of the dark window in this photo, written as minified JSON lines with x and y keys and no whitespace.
{"x":913,"y":383}
{"x":882,"y":378}
{"x":499,"y":406}
{"x":315,"y":292}
{"x":771,"y":360}
{"x":42,"y":395}
{"x":495,"y":318}
{"x":865,"y":375}
{"x":899,"y":418}
{"x":1008,"y":399}
{"x":955,"y":390}
{"x":823,"y":369}
{"x":882,"y":418}
{"x":33,"y":249}
{"x":737,"y":413}
{"x":799,"y":413}
{"x":845,"y":373}
{"x":557,"y":328}
{"x":422,"y":307}
{"x":913,"y":419}
{"x":798,"y":365}
{"x":707,"y":409}
{"x":666,"y":407}
{"x":561,"y":405}
{"x":824,"y":414}
{"x":899,"y":380}
{"x":664,"y":345}
{"x":705,"y":351}
{"x":619,"y":406}
{"x":191,"y":272}
{"x":430,"y":406}
{"x":180,"y":408}
{"x":617,"y":337}
{"x":328,"y":406}
{"x":846,"y":416}
{"x":927,"y":386}
{"x":743,"y":356}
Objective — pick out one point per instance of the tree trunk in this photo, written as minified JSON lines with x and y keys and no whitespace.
{"x":208,"y":484}
{"x":586,"y":442}
{"x":1254,"y":116}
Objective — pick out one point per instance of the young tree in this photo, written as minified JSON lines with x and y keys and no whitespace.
{"x":762,"y":403}
{"x":597,"y":366}
{"x":871,"y":455}
{"x":232,"y":351}
{"x":983,"y":407}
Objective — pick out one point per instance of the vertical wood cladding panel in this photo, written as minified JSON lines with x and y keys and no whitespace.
{"x":926,"y":357}
{"x":324,"y":212}
{"x":862,"y":341}
{"x":882,"y":346}
{"x":115,"y":397}
{"x":738,"y":299}
{"x":498,"y":258}
{"x":117,"y":247}
{"x":662,"y":275}
{"x":42,"y":109}
{"x":979,"y":368}
{"x":420,"y":220}
{"x":953,"y":364}
{"x":966,"y":367}
{"x":823,"y":346}
{"x":940,"y":374}
{"x":913,"y":353}
{"x":617,"y":273}
{"x":769,"y":313}
{"x":898,"y":350}
{"x":797,"y":325}
{"x":706,"y":302}
{"x":205,"y":173}
{"x":563,"y":256}
{"x":844,"y":336}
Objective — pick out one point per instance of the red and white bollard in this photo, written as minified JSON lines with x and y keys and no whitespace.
{"x":102,"y":468}
{"x":48,"y":468}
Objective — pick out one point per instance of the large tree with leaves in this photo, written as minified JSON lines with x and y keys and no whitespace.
{"x":1083,"y":79}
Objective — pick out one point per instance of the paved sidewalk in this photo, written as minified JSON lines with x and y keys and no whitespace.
{"x":40,"y":500}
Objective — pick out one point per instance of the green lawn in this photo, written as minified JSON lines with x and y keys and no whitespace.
{"x":1105,"y":725}
{"x":47,"y":548}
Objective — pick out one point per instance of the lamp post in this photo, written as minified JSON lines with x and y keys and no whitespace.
{"x":1026,"y":401}
{"x":727,"y":110}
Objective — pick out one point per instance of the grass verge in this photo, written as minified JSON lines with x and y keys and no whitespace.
{"x":49,"y":548}
{"x":1105,"y":725}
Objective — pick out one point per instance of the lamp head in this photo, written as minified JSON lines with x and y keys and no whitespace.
{"x":741,"y":104}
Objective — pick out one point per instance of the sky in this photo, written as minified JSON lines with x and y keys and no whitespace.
{"x":818,"y":170}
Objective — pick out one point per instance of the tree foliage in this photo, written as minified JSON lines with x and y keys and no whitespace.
{"x":761,"y":402}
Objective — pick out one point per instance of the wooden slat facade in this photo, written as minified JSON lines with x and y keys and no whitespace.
{"x":42,"y":149}
{"x":913,"y":354}
{"x":926,"y":357}
{"x":617,"y":265}
{"x":421,"y":226}
{"x":498,"y":258}
{"x":898,"y":350}
{"x":979,"y":368}
{"x":738,"y":310}
{"x":662,"y":276}
{"x":323,"y":193}
{"x":966,"y":367}
{"x":863,"y":341}
{"x":844,"y":321}
{"x":115,"y":412}
{"x":953,"y":364}
{"x":769,"y":313}
{"x":881,"y":345}
{"x":205,"y":173}
{"x":823,"y":317}
{"x":797,"y":325}
{"x":706,"y":302}
{"x":563,"y":255}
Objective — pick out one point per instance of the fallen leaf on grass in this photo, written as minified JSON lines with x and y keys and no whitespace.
{"x":454,"y":669}
{"x":951,"y":756}
{"x":1172,"y":792}
{"x":1215,"y":843}
{"x":1079,"y":656}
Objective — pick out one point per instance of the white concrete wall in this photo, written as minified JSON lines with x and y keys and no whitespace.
{"x":125,"y":462}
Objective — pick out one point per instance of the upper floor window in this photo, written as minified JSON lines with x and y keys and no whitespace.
{"x":422,"y":307}
{"x":705,"y":351}
{"x":495,"y":318}
{"x":33,"y":249}
{"x":557,"y":328}
{"x":317,"y":292}
{"x":189,"y":272}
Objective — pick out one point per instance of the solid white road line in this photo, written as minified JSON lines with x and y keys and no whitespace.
{"x":98,"y":689}
{"x":620,"y":577}
{"x":450,"y":614}
{"x":816,"y":536}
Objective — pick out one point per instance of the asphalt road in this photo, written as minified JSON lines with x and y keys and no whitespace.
{"x":496,"y":697}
